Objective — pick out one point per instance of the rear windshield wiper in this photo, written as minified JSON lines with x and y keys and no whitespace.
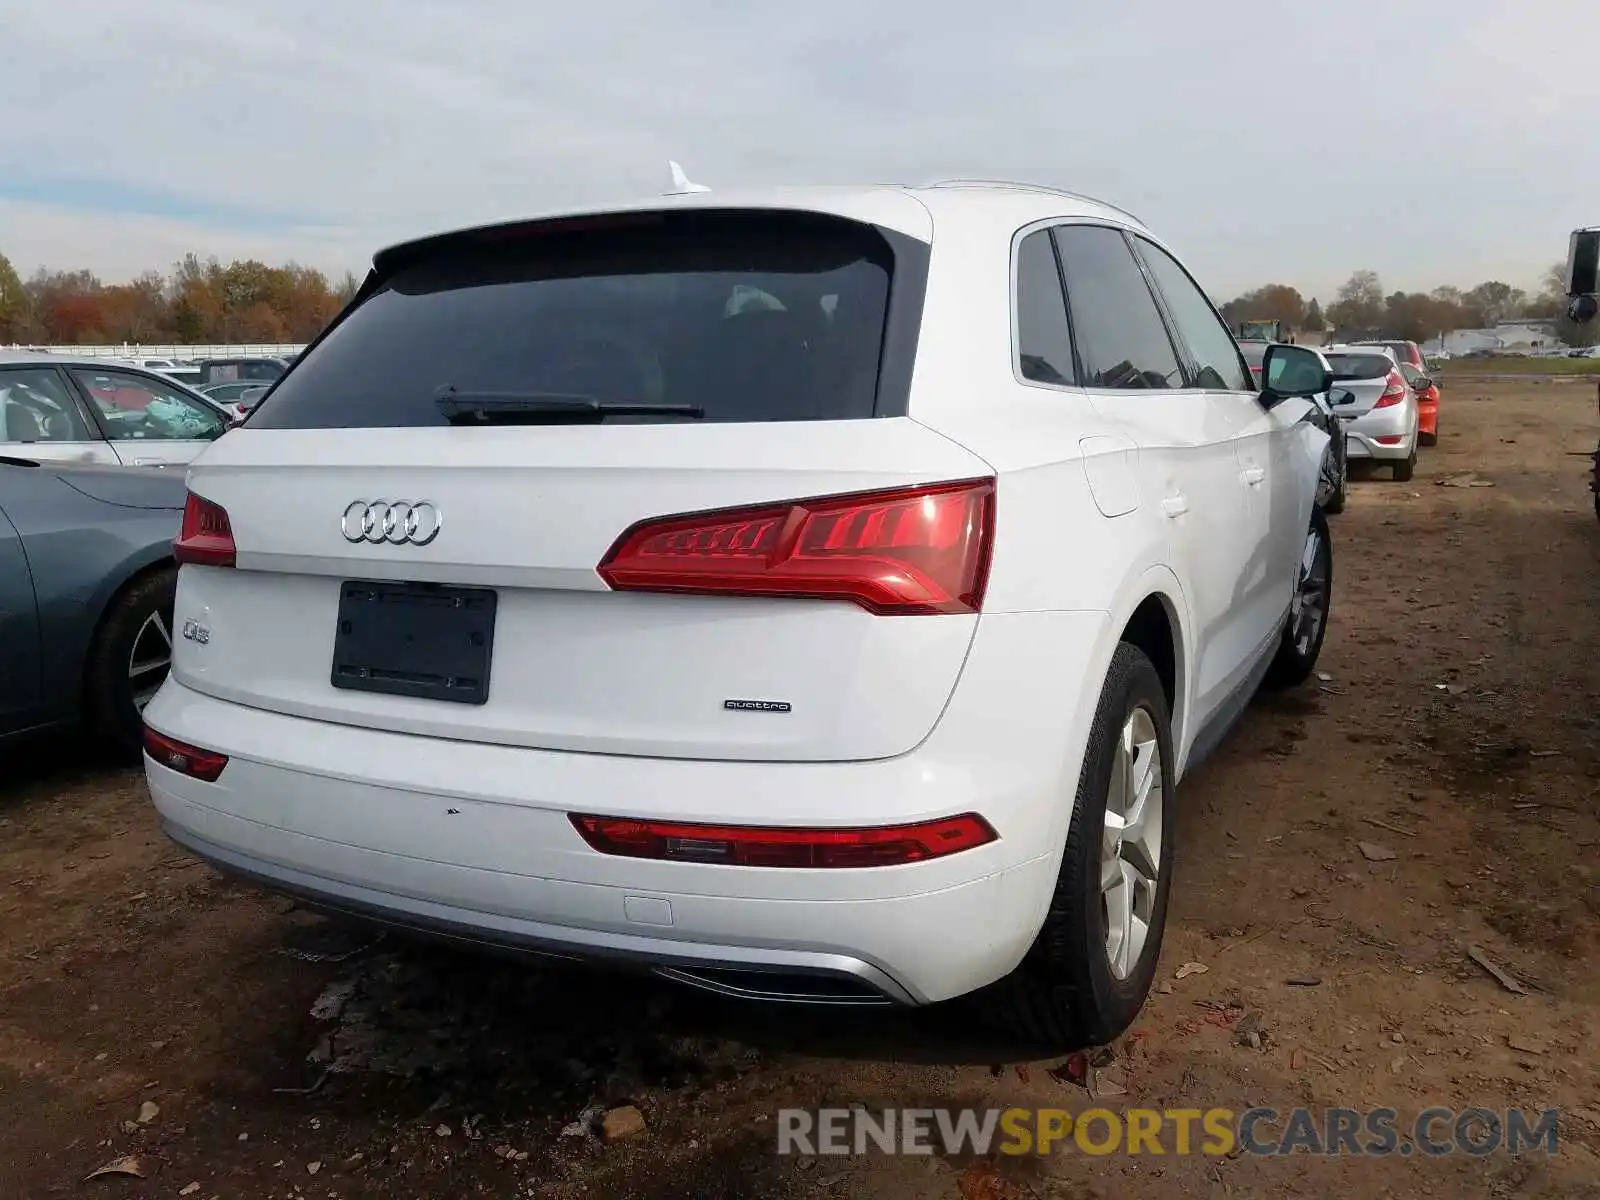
{"x":531,"y":408}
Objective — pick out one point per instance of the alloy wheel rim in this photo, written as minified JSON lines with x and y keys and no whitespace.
{"x":1130,"y":843}
{"x":150,"y":659}
{"x":1310,"y":606}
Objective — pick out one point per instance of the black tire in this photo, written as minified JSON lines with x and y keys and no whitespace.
{"x":1404,"y":468}
{"x":1428,"y":439}
{"x":1297,"y":654}
{"x":1064,"y":993}
{"x":110,"y":711}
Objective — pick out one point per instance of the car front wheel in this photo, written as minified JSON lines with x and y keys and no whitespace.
{"x":1091,"y":966}
{"x":1307,"y":623}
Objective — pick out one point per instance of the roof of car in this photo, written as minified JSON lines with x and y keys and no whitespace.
{"x":1360,"y":348}
{"x":910,"y":210}
{"x":68,"y":360}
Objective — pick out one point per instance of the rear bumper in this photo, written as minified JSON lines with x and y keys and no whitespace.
{"x":1398,"y":421}
{"x":473,"y":843}
{"x":770,"y":973}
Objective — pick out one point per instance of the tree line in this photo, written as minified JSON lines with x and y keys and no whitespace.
{"x":200,"y":301}
{"x":1362,"y":308}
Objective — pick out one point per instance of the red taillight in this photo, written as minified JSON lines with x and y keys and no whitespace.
{"x":1394,"y":392}
{"x":750,"y":846}
{"x":902,"y":552}
{"x":1393,"y":439}
{"x":206,"y":536}
{"x":204,"y":765}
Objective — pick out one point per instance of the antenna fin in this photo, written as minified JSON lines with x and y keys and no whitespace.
{"x":681,"y":183}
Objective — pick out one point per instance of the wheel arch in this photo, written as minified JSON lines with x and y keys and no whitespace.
{"x":1152,"y":613}
{"x":116,"y":585}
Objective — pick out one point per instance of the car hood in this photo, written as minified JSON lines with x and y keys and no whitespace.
{"x":127,"y":487}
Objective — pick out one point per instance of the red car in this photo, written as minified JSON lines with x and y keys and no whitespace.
{"x":1412,"y":366}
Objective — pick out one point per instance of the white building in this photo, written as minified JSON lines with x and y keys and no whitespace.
{"x":1513,"y":337}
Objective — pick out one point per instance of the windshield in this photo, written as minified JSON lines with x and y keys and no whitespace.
{"x":746,"y":316}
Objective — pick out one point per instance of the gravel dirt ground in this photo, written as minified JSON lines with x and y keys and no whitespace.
{"x":226,"y":1044}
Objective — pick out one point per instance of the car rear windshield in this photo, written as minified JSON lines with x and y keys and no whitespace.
{"x":743,"y":316}
{"x":1360,"y":366}
{"x":1255,"y":353}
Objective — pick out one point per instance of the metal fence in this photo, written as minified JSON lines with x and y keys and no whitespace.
{"x":129,"y":350}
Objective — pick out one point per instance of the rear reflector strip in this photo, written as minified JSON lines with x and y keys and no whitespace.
{"x":900,"y":552}
{"x":751,"y":846}
{"x":204,"y":765}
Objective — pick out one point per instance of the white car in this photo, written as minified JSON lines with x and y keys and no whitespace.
{"x":1378,"y":406}
{"x":843,"y":644}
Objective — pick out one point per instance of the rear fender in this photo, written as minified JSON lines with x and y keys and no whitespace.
{"x":1159,"y":581}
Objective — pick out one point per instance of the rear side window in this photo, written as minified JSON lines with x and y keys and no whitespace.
{"x":1044,"y":339}
{"x":1122,"y":341}
{"x":1361,"y":366}
{"x":746,"y":316}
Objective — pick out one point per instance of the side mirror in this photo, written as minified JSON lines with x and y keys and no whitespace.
{"x":1293,"y":371}
{"x":1342,"y":396}
{"x":1421,"y":383}
{"x":1583,"y":263}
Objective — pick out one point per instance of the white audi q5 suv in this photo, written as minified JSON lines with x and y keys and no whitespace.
{"x":806,"y":595}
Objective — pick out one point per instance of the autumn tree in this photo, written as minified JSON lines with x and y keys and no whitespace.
{"x":1359,"y":304}
{"x":1496,"y":301}
{"x":1273,"y":302}
{"x":13,"y":302}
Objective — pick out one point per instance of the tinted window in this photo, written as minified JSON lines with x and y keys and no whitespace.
{"x":749,"y":317}
{"x":228,"y":369}
{"x":1255,"y":353}
{"x":1044,"y":340}
{"x":1122,"y":342}
{"x":1211,"y":347}
{"x":35,"y":407}
{"x":1360,"y":366}
{"x":137,"y":406}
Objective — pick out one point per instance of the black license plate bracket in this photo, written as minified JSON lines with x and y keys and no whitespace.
{"x":424,"y":640}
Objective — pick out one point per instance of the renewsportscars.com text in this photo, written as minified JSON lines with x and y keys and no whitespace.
{"x":1218,"y":1132}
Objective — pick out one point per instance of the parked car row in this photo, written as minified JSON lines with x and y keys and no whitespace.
{"x":1388,"y":403}
{"x":1383,"y":397}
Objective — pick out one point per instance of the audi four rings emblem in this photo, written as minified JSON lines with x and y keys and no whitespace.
{"x":398,"y":522}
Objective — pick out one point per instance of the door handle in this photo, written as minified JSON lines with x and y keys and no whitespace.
{"x":1254,"y":475}
{"x":1175,"y":506}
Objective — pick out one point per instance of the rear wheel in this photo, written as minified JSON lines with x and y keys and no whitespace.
{"x":1307,"y":622}
{"x":1404,"y":468}
{"x":1429,"y":439}
{"x":129,"y":660}
{"x":1091,"y":966}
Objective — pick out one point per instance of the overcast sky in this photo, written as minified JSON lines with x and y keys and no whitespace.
{"x":1434,"y":141}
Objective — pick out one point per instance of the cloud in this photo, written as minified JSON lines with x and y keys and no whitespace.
{"x":1434,"y":141}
